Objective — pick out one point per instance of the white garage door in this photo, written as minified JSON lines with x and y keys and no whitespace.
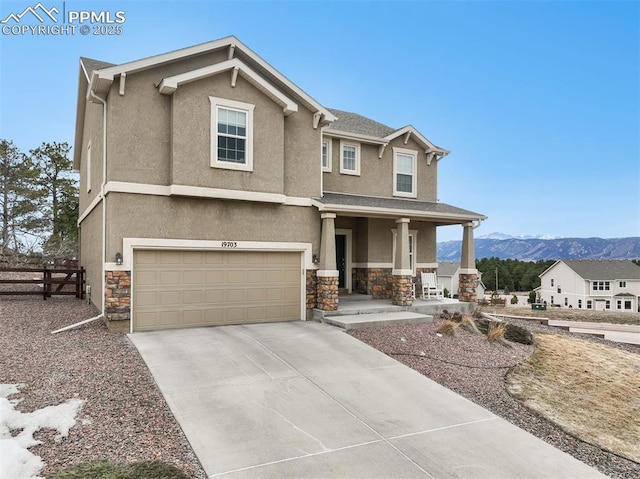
{"x":178,"y":289}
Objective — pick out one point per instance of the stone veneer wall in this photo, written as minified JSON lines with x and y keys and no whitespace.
{"x":402,"y":290}
{"x":378,"y":282}
{"x":117,"y":304}
{"x":312,"y":291}
{"x":327,"y":296}
{"x":467,"y":288}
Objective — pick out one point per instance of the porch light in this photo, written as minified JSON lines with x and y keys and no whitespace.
{"x":119,"y":259}
{"x":315,"y":259}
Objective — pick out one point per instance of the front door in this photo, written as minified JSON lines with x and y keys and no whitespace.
{"x":341,"y":259}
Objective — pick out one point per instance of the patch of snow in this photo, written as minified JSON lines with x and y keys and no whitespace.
{"x":16,"y":461}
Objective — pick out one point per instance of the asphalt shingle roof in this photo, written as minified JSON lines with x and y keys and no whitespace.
{"x":594,"y":269}
{"x":394,"y":204}
{"x":354,"y":123}
{"x":91,"y":64}
{"x":448,"y":268}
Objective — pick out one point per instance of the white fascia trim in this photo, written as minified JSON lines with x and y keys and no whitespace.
{"x":354,"y":136}
{"x":170,"y":84}
{"x":468,"y":271}
{"x":328,"y":273}
{"x":96,"y":201}
{"x":402,"y":272}
{"x":130,"y":244}
{"x":373,"y":265}
{"x":427,"y":265}
{"x":372,"y":211}
{"x":197,"y":191}
{"x":137,"y":188}
{"x":429,"y":147}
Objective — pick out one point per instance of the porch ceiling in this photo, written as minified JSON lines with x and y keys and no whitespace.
{"x":376,"y":207}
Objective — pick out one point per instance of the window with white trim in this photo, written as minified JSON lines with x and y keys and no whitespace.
{"x":580,"y":304}
{"x":232,"y":134}
{"x":350,"y":158}
{"x":589,"y":304}
{"x":89,"y":167}
{"x":326,"y":155}
{"x":552,"y":282}
{"x":404,"y":172}
{"x":607,"y":304}
{"x":622,"y":284}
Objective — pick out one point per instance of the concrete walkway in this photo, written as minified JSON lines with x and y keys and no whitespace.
{"x":303,"y":399}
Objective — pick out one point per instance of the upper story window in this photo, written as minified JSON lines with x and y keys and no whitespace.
{"x":622,"y":284}
{"x":552,"y":282}
{"x":601,"y":285}
{"x":326,"y":155}
{"x":350,"y":158}
{"x":404,"y":172}
{"x":232,"y":134}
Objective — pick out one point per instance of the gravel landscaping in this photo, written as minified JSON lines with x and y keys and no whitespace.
{"x":125,"y":418}
{"x":475,"y":368}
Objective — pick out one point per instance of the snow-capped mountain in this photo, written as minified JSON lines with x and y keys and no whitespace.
{"x":534,"y":249}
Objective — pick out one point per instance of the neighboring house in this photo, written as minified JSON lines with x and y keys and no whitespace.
{"x":215,"y":191}
{"x":600,"y":285}
{"x":449,"y":277}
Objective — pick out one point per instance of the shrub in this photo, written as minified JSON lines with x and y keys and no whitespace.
{"x":496,"y":332}
{"x":514,"y":299}
{"x":447,"y":328}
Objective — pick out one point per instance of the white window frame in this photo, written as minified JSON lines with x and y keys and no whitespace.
{"x":231,"y":105}
{"x":414,"y":174}
{"x":413,"y":238}
{"x":89,"y":167}
{"x":343,"y":170}
{"x":622,"y":284}
{"x":327,"y":142}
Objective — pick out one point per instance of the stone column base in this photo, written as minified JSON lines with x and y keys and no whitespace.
{"x":402,"y":294}
{"x":467,"y":288}
{"x":117,"y":304}
{"x":327,"y":293}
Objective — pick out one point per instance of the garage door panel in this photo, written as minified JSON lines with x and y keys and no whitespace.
{"x":173,"y":289}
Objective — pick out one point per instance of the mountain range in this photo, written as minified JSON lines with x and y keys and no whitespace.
{"x":544,"y":248}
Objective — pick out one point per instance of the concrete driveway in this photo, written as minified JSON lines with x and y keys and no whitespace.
{"x":302,"y":399}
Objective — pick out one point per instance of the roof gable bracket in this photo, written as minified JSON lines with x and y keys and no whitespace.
{"x":317,"y":116}
{"x":232,"y":51}
{"x":381,"y":150}
{"x":407,"y":135}
{"x":234,"y":76}
{"x":169,"y":85}
{"x":430,"y":156}
{"x":123,"y":77}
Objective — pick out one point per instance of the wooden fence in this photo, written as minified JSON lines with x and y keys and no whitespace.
{"x":74,"y":279}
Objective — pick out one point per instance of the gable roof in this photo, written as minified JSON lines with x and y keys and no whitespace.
{"x":593,"y":269}
{"x":353,"y":125}
{"x":448,"y":268}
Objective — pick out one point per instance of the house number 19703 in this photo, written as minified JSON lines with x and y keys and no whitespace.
{"x":229,"y":244}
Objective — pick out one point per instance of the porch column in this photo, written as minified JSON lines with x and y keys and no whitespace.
{"x":327,"y":275}
{"x":402,"y":272}
{"x":468,"y":277}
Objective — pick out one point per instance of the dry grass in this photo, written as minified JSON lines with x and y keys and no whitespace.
{"x":448,"y":327}
{"x":469,"y":324}
{"x":496,"y":332}
{"x":590,"y":390}
{"x":567,"y":314}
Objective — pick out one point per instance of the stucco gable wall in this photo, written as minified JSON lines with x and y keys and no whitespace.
{"x":376,"y":174}
{"x":302,"y":155}
{"x":191,"y":137}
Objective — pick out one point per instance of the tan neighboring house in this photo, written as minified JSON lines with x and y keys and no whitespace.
{"x":600,"y":285}
{"x":216,"y":191}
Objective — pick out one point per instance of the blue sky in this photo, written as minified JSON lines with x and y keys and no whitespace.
{"x":539,"y":102}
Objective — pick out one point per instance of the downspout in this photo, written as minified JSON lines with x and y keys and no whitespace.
{"x":103,"y":199}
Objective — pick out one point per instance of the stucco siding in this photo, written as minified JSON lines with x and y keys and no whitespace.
{"x":146,"y":216}
{"x":93,"y":119}
{"x":301,"y":155}
{"x":425,"y":241}
{"x":191,"y":131}
{"x":91,"y":252}
{"x":376,"y":174}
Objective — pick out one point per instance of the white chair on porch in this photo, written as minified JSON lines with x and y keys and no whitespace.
{"x":430,"y":286}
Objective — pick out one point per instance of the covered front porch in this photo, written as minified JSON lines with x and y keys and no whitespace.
{"x":378,"y":247}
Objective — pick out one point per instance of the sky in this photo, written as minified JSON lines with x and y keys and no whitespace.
{"x":538,"y":101}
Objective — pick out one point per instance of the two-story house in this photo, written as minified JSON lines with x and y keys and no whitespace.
{"x":600,"y":285}
{"x":216,"y":191}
